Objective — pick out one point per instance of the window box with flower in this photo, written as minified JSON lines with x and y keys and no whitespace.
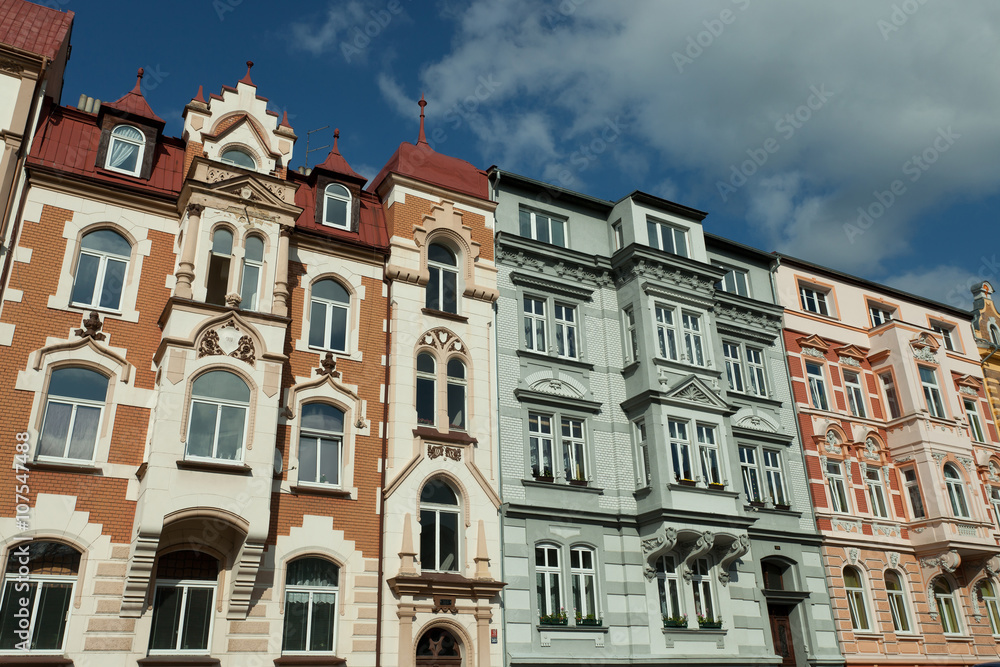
{"x":557,"y":618}
{"x":675,"y":621}
{"x":544,"y":475}
{"x":709,"y":623}
{"x":589,"y":619}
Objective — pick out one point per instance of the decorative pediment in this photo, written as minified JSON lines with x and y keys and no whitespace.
{"x":556,"y":388}
{"x":755,"y":420}
{"x":246,"y":188}
{"x":244,"y":131}
{"x":852,"y":352}
{"x":925,"y":347}
{"x":443,"y":339}
{"x":229,"y":340}
{"x":878,"y":357}
{"x":694,"y":390}
{"x":969,"y":385}
{"x":814,"y":342}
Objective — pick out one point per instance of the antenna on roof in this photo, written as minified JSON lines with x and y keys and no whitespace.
{"x":319,"y":148}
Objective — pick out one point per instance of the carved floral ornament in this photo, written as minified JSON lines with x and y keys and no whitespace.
{"x":437,"y":451}
{"x":92,"y":327}
{"x":442,"y":339}
{"x":726,"y":548}
{"x":228,"y":340}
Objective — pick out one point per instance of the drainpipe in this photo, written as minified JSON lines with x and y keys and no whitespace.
{"x":382,"y":464}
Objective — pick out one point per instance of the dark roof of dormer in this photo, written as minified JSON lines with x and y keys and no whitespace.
{"x":336,"y":165}
{"x":371,"y":231}
{"x":134,"y":104}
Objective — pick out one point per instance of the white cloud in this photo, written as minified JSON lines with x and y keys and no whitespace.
{"x":946,"y":284}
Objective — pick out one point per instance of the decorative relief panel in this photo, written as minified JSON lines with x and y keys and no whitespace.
{"x":228,"y":340}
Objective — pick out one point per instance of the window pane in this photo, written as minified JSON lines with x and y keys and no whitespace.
{"x":238,"y":158}
{"x":294,"y":633}
{"x":197,"y":618}
{"x":323,"y":615}
{"x":441,"y":255}
{"x":55,"y":429}
{"x":251,"y":281}
{"x":78,"y":383}
{"x":81,"y":445}
{"x":317,"y":324}
{"x":322,"y":417}
{"x":336,"y":212}
{"x":107,"y":241}
{"x":680,"y":240}
{"x":254,"y":250}
{"x":425,"y":363}
{"x":202,"y":431}
{"x":123,"y":155}
{"x":50,"y":619}
{"x":332,"y":290}
{"x":456,"y":406}
{"x":425,"y":401}
{"x":449,"y":302}
{"x":312,"y":572}
{"x":541,"y":228}
{"x":338,"y":328}
{"x":449,"y":541}
{"x":437,"y":492}
{"x":222,"y":242}
{"x":11,"y":604}
{"x":558,"y":237}
{"x":218,"y":279}
{"x":231,"y":432}
{"x":651,"y":229}
{"x":329,"y":456}
{"x":308,"y":450}
{"x":524,"y":223}
{"x":166,"y":618}
{"x":456,"y":369}
{"x":428,"y":539}
{"x":86,"y":279}
{"x":434,"y":289}
{"x":222,"y":385}
{"x":114,"y":279}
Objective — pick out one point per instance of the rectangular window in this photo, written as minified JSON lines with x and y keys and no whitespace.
{"x":583,"y":574}
{"x":540,"y":442}
{"x":734,"y":282}
{"x":565,"y":331}
{"x":631,"y":341}
{"x":975,"y":426}
{"x":995,"y":504}
{"x":891,"y":399}
{"x":876,"y":492}
{"x":692,"y":339}
{"x":547,"y":581}
{"x":734,"y":366}
{"x":880,"y":314}
{"x":813,"y":300}
{"x":574,"y":448}
{"x":932,"y":394}
{"x":668,"y":584}
{"x":666,"y":237}
{"x":701,"y":582}
{"x":534,"y":325}
{"x":838,"y":487}
{"x":817,"y":385}
{"x":855,"y":395}
{"x":543,"y":228}
{"x":182,"y":616}
{"x":708,"y":452}
{"x":666,"y":333}
{"x":680,"y":450}
{"x":913,"y":493}
{"x":639,"y":434}
{"x":619,"y":234}
{"x":775,"y":477}
{"x":946,"y":331}
{"x":751,"y":475}
{"x":755,"y":371}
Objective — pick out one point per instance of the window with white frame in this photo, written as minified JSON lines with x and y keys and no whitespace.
{"x":751,"y":474}
{"x":880,"y":314}
{"x":583,"y":574}
{"x":701,"y":582}
{"x":547,"y":585}
{"x":328,"y":315}
{"x":680,"y":450}
{"x":734,"y":366}
{"x":813,"y":299}
{"x":666,"y":332}
{"x":912,"y":485}
{"x":442,"y":282}
{"x":321,"y":444}
{"x":755,"y":371}
{"x":457,"y":403}
{"x":947,"y":333}
{"x":639,"y":435}
{"x":734,"y":282}
{"x":876,"y":492}
{"x":857,"y":599}
{"x":775,"y":477}
{"x":534,"y":325}
{"x":817,"y":385}
{"x":39,"y":581}
{"x":692,"y":339}
{"x":837,"y":486}
{"x":667,"y":237}
{"x":708,"y":454}
{"x":574,"y":450}
{"x":311,"y":589}
{"x":891,"y":398}
{"x":238,"y":158}
{"x":631,"y":339}
{"x":565,"y":331}
{"x":855,"y":394}
{"x":542,"y":227}
{"x":932,"y":394}
{"x":73,"y":408}
{"x":426,"y":399}
{"x":217,"y":427}
{"x":101,"y":269}
{"x":183,"y":602}
{"x":995,"y":504}
{"x":439,"y":527}
{"x":988,"y":598}
{"x":253,"y":266}
{"x":944,"y":598}
{"x":125,"y":150}
{"x":540,"y":442}
{"x":956,"y":491}
{"x":995,"y":334}
{"x":217,"y":280}
{"x":898,"y":606}
{"x":668,"y":585}
{"x":337,"y":206}
{"x":619,"y":234}
{"x":972,"y":414}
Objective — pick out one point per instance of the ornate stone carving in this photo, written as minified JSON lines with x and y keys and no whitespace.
{"x":92,"y":327}
{"x":216,"y":341}
{"x":938,"y":457}
{"x":8,"y":65}
{"x":443,"y":339}
{"x":328,"y":366}
{"x":846,"y":525}
{"x":453,"y":453}
{"x":994,"y":472}
{"x":948,"y":561}
{"x":925,"y":354}
{"x":822,"y":465}
{"x":233,"y":300}
{"x":967,"y":463}
{"x":849,"y":361}
{"x":852,"y":554}
{"x":871,"y":449}
{"x":893,"y":558}
{"x":739,"y":548}
{"x":701,"y":547}
{"x":813,"y":352}
{"x":863,"y":467}
{"x":887,"y":529}
{"x":969,"y":391}
{"x":992,"y":565}
{"x":437,"y":451}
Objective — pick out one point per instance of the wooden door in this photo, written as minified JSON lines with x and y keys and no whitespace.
{"x":781,"y":633}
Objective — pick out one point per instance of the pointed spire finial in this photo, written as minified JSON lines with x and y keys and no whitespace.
{"x":200,"y":97}
{"x":421,"y":139}
{"x":246,"y":79}
{"x":336,"y":138}
{"x":138,"y":78}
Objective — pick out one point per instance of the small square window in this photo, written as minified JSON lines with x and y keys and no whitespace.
{"x":947,"y":333}
{"x":814,"y":299}
{"x":880,"y":314}
{"x":667,"y":238}
{"x":542,"y":227}
{"x":734,"y":282}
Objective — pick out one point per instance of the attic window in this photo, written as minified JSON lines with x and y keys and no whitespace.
{"x":336,"y":206}
{"x":238,"y":158}
{"x":125,"y":153}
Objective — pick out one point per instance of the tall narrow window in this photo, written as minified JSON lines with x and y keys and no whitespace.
{"x":39,"y":581}
{"x":534,"y":325}
{"x":253,"y":266}
{"x":932,"y":394}
{"x":775,"y":477}
{"x":947,"y":332}
{"x":219,"y":405}
{"x":619,"y":235}
{"x":913,"y":493}
{"x":680,"y":450}
{"x":542,"y":227}
{"x":442,"y":283}
{"x":547,"y":586}
{"x":692,"y":339}
{"x":321,"y":444}
{"x":751,"y":474}
{"x":540,"y":441}
{"x":218,"y":267}
{"x":668,"y":584}
{"x":988,"y":598}
{"x":857,"y":601}
{"x":897,"y":602}
{"x":311,"y":588}
{"x":426,"y":390}
{"x":666,"y":237}
{"x":876,"y":492}
{"x":73,"y":410}
{"x":995,"y":504}
{"x":183,"y":602}
{"x":945,"y":600}
{"x":855,"y":395}
{"x":439,"y":521}
{"x":574,"y":458}
{"x":565,"y":331}
{"x":734,"y":366}
{"x":631,"y":341}
{"x":639,"y":433}
{"x":101,"y":269}
{"x":125,"y":150}
{"x":584,"y":576}
{"x":891,"y":399}
{"x":838,"y":486}
{"x":666,"y":334}
{"x":817,"y":386}
{"x":956,"y":491}
{"x":972,"y":414}
{"x":337,"y":206}
{"x":456,"y":394}
{"x":755,"y":371}
{"x":813,"y":300}
{"x":708,"y":453}
{"x":328,"y":314}
{"x":701,"y":582}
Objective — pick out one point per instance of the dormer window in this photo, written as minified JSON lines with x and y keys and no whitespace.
{"x":337,"y":206}
{"x":238,"y":158}
{"x":125,"y":152}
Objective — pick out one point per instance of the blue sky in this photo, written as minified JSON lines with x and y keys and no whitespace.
{"x":786,"y":121}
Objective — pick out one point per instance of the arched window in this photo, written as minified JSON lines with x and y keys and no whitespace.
{"x":219,"y":404}
{"x":668,"y":584}
{"x":72,"y":414}
{"x":183,"y":602}
{"x":439,"y":648}
{"x":321,"y":444}
{"x":311,"y":587}
{"x":101,"y":269}
{"x":426,"y":389}
{"x":548,"y":586}
{"x":218,"y":266}
{"x":583,"y":573}
{"x":946,"y":609}
{"x":337,"y":206}
{"x":125,"y":150}
{"x":704,"y":601}
{"x":442,"y":285}
{"x":39,"y":580}
{"x":253,"y":266}
{"x":897,"y":601}
{"x":439,"y":519}
{"x":956,"y":491}
{"x":456,"y":394}
{"x":328,"y":316}
{"x":988,"y":598}
{"x":238,"y":158}
{"x":857,"y":601}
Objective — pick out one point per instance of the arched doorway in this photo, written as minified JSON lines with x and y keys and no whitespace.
{"x":439,"y":648}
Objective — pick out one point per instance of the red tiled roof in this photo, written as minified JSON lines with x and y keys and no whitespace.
{"x":33,"y":28}
{"x":423,"y":163}
{"x":68,"y":139}
{"x":134,"y":103}
{"x":371,"y":227}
